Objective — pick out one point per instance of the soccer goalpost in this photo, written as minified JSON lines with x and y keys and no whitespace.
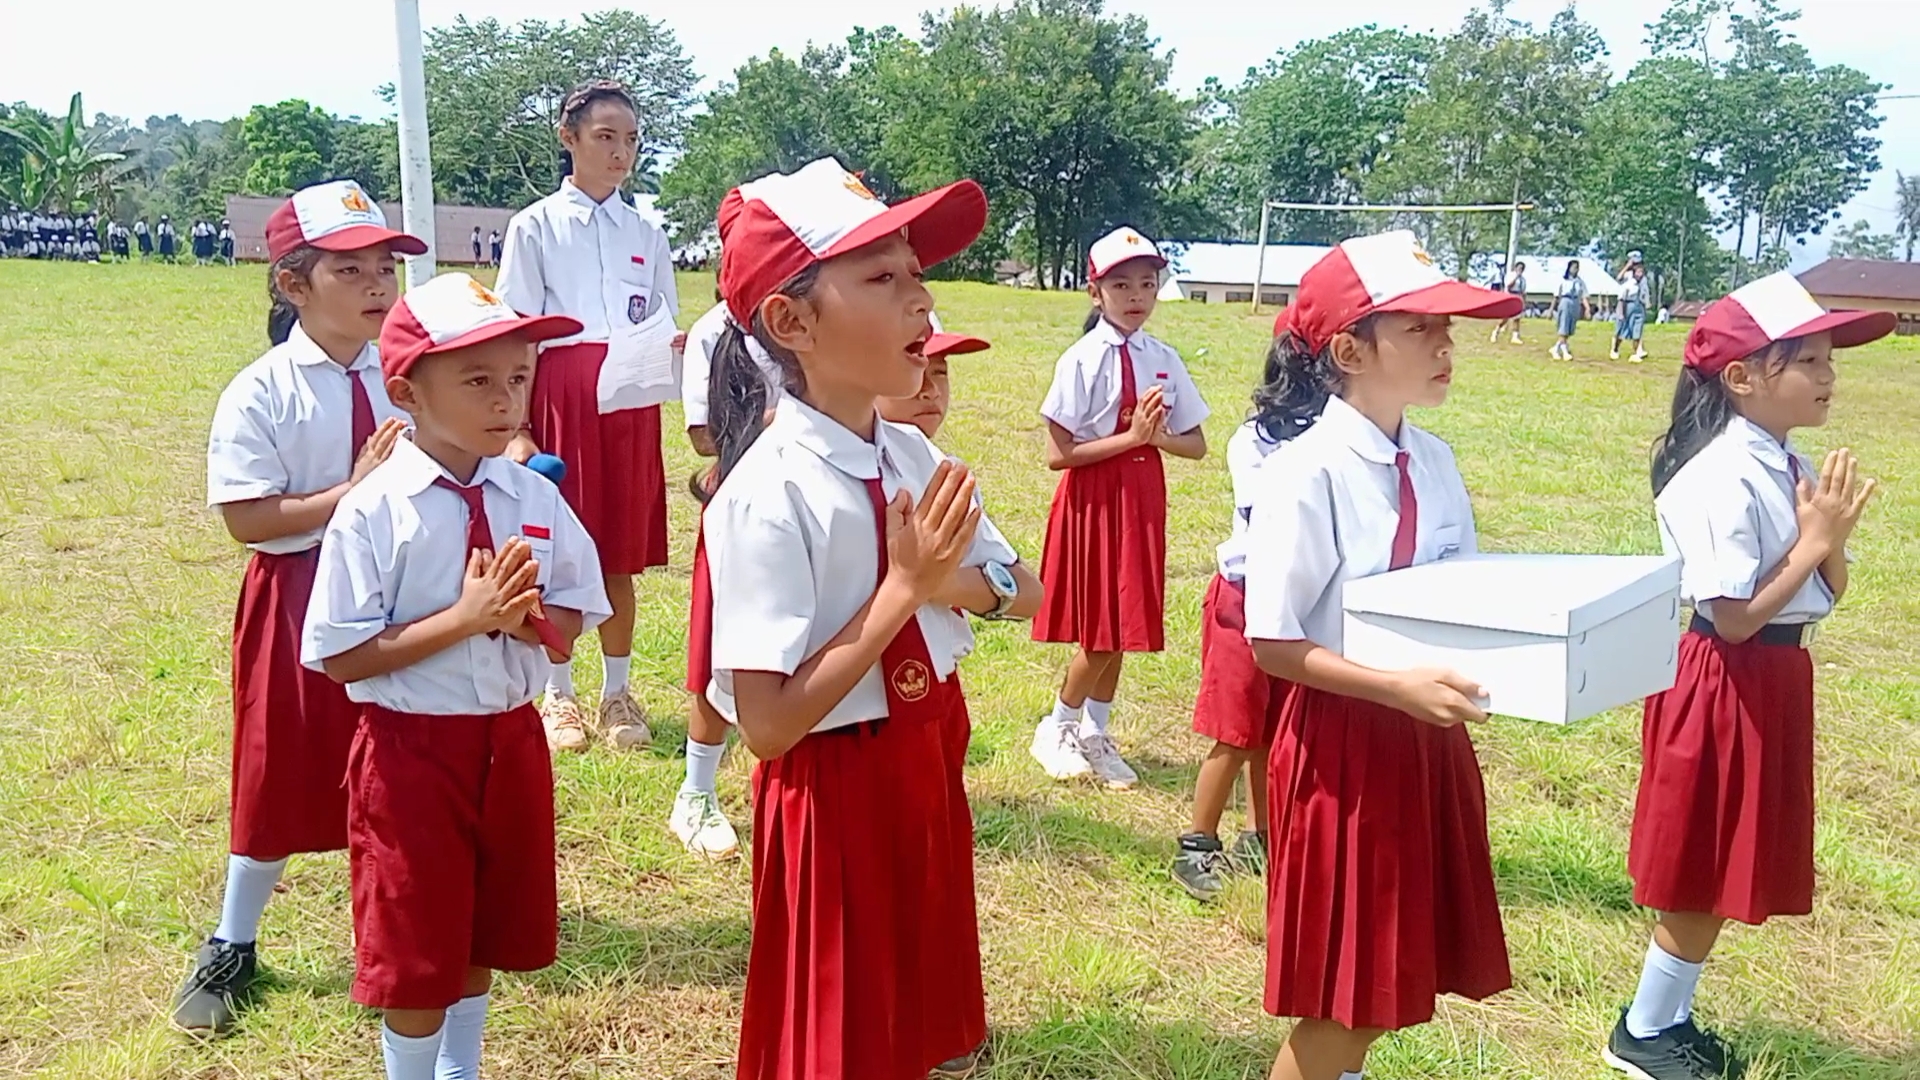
{"x":1267,"y":208}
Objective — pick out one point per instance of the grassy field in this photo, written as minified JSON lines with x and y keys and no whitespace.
{"x":115,"y":606}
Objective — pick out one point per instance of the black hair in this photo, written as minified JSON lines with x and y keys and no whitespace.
{"x":1701,"y":409}
{"x":737,"y":390}
{"x":1092,"y":320}
{"x":1573,"y":267}
{"x":281,"y":314}
{"x":578,"y":103}
{"x":1297,"y":383}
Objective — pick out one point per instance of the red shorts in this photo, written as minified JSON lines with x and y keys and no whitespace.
{"x":1238,"y":704}
{"x":450,"y":837}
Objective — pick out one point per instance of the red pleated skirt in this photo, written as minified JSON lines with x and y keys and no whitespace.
{"x":292,"y":728}
{"x":1724,"y":819}
{"x":1238,"y":703}
{"x":1380,"y":889}
{"x":865,"y":961}
{"x":616,"y":481}
{"x":700,"y":621}
{"x":1104,"y":563}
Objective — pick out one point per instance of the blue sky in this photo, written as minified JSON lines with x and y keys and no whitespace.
{"x":220,"y":56}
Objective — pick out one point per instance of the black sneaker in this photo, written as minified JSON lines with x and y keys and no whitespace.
{"x":222,"y":974}
{"x":1670,"y":1055}
{"x":1199,"y":865}
{"x":1250,"y":853}
{"x":1712,"y":1047}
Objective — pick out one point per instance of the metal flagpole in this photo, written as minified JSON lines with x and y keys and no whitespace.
{"x":1260,"y":261}
{"x":416,"y":164}
{"x":1513,"y":237}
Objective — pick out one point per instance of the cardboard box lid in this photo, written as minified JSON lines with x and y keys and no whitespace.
{"x":1554,"y":595}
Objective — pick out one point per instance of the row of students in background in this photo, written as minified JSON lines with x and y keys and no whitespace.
{"x":211,"y":242}
{"x":486,"y":252}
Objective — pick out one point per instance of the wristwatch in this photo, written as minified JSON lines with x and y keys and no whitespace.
{"x":1000,"y":580}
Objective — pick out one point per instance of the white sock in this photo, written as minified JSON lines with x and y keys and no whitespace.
{"x":1666,"y":987}
{"x":1065,"y":715}
{"x":459,"y":1057}
{"x":1099,"y":714}
{"x":409,"y":1058}
{"x":615,"y":682}
{"x":560,"y":681}
{"x":703,"y":762}
{"x":250,"y":885}
{"x":1350,"y":1076}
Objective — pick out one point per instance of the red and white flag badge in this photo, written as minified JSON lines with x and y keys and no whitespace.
{"x":536,"y":532}
{"x":639,"y":260}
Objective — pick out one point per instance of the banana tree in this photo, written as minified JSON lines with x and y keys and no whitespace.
{"x":62,"y":165}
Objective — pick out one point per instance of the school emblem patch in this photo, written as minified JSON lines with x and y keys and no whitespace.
{"x":1132,"y":238}
{"x":855,"y":185}
{"x":1420,"y":253}
{"x":482,"y":295}
{"x":912,"y":680}
{"x":355,"y":200}
{"x":636,"y":309}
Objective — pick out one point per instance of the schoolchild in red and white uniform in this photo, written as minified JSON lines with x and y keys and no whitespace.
{"x":450,"y":580}
{"x":294,"y":431}
{"x":1120,"y":399}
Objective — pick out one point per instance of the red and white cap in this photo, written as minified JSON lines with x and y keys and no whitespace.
{"x":1774,"y":308}
{"x":1388,"y":271}
{"x":335,"y":216}
{"x":452,"y":312}
{"x":1121,"y":245}
{"x":945,"y":344}
{"x":777,"y":226}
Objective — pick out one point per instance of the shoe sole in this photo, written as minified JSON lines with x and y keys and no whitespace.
{"x":1119,"y":785}
{"x":1198,"y":894}
{"x":1621,"y":1064}
{"x":1052,"y":774}
{"x":564,"y":748}
{"x":628,"y":742}
{"x":711,"y":856}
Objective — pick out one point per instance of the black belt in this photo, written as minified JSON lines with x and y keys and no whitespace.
{"x":1798,"y":635}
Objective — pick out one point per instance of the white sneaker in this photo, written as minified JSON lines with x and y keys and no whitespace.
{"x":1494,"y":338}
{"x":1057,"y":749}
{"x":1614,"y":355}
{"x":1104,"y":758}
{"x":1639,"y":356}
{"x":701,"y":826}
{"x":1516,"y":338}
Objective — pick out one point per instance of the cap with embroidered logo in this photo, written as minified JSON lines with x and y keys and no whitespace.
{"x":1388,"y":271}
{"x":335,"y":216}
{"x":1121,"y":245}
{"x":1774,"y":308}
{"x":778,"y":226}
{"x":452,"y":312}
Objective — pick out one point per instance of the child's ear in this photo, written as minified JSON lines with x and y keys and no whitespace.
{"x":292,"y":286}
{"x":1347,"y":356}
{"x":789,"y":322}
{"x":401,"y":392}
{"x":1739,"y":378}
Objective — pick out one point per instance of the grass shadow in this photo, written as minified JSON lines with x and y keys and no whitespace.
{"x":1559,"y":877}
{"x":1779,"y":1052}
{"x":673,"y":952}
{"x":1010,"y":826}
{"x":1108,"y":1043}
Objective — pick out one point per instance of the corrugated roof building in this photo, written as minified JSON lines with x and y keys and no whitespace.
{"x":1869,"y":284}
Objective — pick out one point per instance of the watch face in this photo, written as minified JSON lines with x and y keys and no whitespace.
{"x":1001,"y":579}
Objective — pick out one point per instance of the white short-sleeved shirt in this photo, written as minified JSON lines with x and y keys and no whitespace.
{"x":284,"y":426}
{"x":1571,"y":288}
{"x":793,"y":552}
{"x":1325,"y":511}
{"x":702,"y":339}
{"x":1248,"y":447}
{"x":396,"y":552}
{"x":1085,"y":395}
{"x":1729,"y":516}
{"x":601,"y":263}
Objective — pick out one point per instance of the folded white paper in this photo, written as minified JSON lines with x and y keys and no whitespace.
{"x":642,"y":367}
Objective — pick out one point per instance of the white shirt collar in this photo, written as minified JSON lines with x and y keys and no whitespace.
{"x":1360,"y":433}
{"x":584,"y":206}
{"x":306,"y":353}
{"x":1764,"y":447}
{"x":413,"y":471}
{"x":833,"y":443}
{"x":1111,"y":335}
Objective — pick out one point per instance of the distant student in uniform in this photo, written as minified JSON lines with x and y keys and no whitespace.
{"x":293,"y":432}
{"x":226,"y":241}
{"x":836,"y":544}
{"x":1120,"y":398}
{"x":1631,"y":324}
{"x":1723,"y":827}
{"x":1238,"y":705}
{"x":143,"y":237}
{"x":449,"y":581}
{"x":1380,"y":891}
{"x":1570,"y":305}
{"x":479,"y":255}
{"x":169,"y":242}
{"x":1515,"y":285}
{"x":586,"y":253}
{"x":493,"y":247}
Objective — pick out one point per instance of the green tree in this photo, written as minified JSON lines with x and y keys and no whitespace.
{"x":369,"y":153}
{"x":1308,"y":127}
{"x":494,"y":94}
{"x":290,"y":144}
{"x":1907,"y":229}
{"x":1859,"y":241}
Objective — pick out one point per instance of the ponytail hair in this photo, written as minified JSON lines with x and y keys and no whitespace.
{"x":737,"y":389}
{"x":1701,"y":409}
{"x":1297,"y":383}
{"x":282,"y":315}
{"x":1093,"y":319}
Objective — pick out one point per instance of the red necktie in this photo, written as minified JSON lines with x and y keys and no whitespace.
{"x":480,"y":535}
{"x":1793,"y":468}
{"x":1409,"y":527}
{"x":362,"y":417}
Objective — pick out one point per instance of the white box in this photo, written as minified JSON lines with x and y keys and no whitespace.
{"x":1554,"y":638}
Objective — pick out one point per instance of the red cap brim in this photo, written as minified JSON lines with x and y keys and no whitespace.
{"x":954,"y":345}
{"x":1457,"y":298}
{"x":357,"y":237}
{"x":1850,"y":329}
{"x":528,"y":328}
{"x":940,"y":224}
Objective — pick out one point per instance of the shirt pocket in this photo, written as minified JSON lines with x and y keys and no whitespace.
{"x":1446,"y":542}
{"x":542,"y":554}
